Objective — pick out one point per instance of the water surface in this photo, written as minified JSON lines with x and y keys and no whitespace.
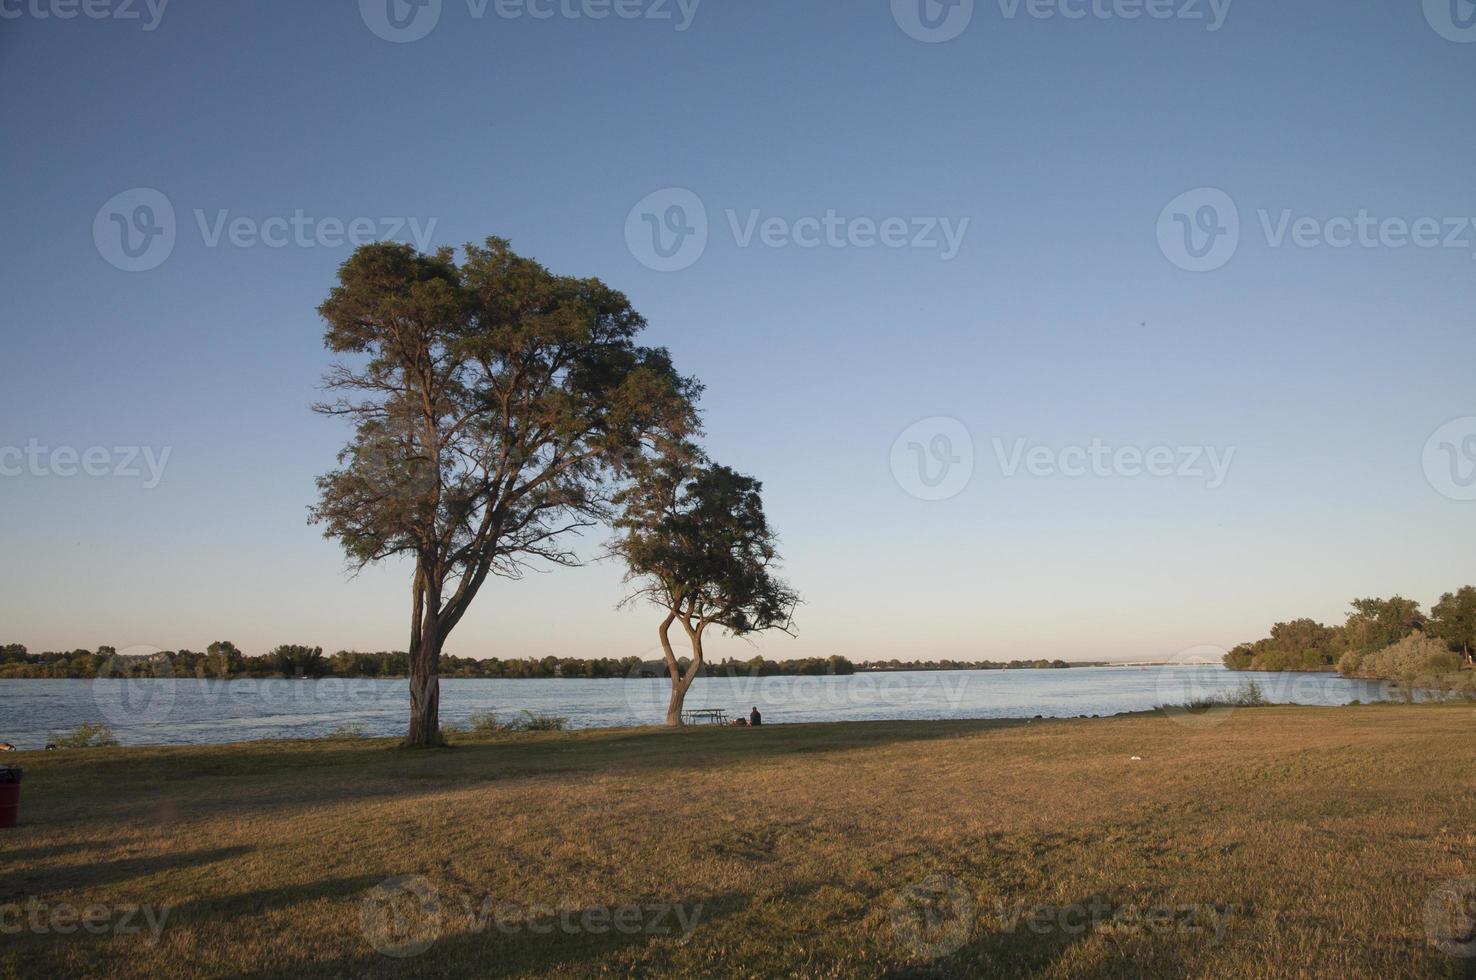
{"x":193,"y":710}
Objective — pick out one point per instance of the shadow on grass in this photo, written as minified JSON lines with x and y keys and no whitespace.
{"x":266,"y":775}
{"x":97,"y":874}
{"x":472,"y":940}
{"x":1017,"y":946}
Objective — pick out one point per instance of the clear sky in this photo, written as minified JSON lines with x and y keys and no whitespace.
{"x":1069,"y":314}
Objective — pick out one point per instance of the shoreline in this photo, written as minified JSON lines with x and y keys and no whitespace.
{"x":463,"y":738}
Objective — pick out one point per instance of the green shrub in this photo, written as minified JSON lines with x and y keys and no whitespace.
{"x":485,"y":722}
{"x":87,"y":736}
{"x":1249,"y":695}
{"x":1417,"y":655}
{"x":544,"y":723}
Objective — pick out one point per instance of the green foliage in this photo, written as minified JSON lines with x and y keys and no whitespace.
{"x":697,"y":543}
{"x":1373,"y":627}
{"x":494,"y":404}
{"x":296,"y":660}
{"x":86,"y":736}
{"x":484,"y":722}
{"x":1377,"y":623}
{"x":535,"y":722}
{"x":1248,"y":695}
{"x":1413,"y":657}
{"x":1453,"y":619}
{"x":487,"y":723}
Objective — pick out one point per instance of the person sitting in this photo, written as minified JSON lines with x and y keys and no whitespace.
{"x":6,"y":747}
{"x":754,"y":718}
{"x":739,"y":722}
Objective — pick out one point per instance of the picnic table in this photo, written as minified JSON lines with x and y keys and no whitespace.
{"x":711,"y":716}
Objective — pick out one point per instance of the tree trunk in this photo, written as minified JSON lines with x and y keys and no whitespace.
{"x":680,"y":683}
{"x":425,"y":694}
{"x":425,"y":664}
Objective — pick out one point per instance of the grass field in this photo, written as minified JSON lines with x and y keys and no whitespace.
{"x":1273,"y":842}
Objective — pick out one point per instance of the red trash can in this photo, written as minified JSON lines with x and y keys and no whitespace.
{"x":10,"y":791}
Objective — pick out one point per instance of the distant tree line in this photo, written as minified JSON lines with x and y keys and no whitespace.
{"x":224,"y":660}
{"x":887,"y":665}
{"x":1382,"y":638}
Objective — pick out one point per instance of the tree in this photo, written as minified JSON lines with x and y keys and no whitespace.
{"x":493,"y":402}
{"x":1453,"y":619}
{"x":696,"y":543}
{"x":1378,"y":623}
{"x":297,"y":660}
{"x":223,"y":659}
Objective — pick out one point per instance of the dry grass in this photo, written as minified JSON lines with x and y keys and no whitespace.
{"x":1282,"y":842}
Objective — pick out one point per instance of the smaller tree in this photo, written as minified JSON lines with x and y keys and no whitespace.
{"x":1453,"y":619}
{"x":697,"y":544}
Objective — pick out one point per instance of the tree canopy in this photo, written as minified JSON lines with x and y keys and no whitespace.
{"x":494,"y":406}
{"x":697,"y":544}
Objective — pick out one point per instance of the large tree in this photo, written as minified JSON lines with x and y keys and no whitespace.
{"x":493,"y":404}
{"x":1453,"y":619}
{"x":697,"y":544}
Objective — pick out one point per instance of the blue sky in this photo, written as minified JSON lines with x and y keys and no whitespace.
{"x":1060,"y":321}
